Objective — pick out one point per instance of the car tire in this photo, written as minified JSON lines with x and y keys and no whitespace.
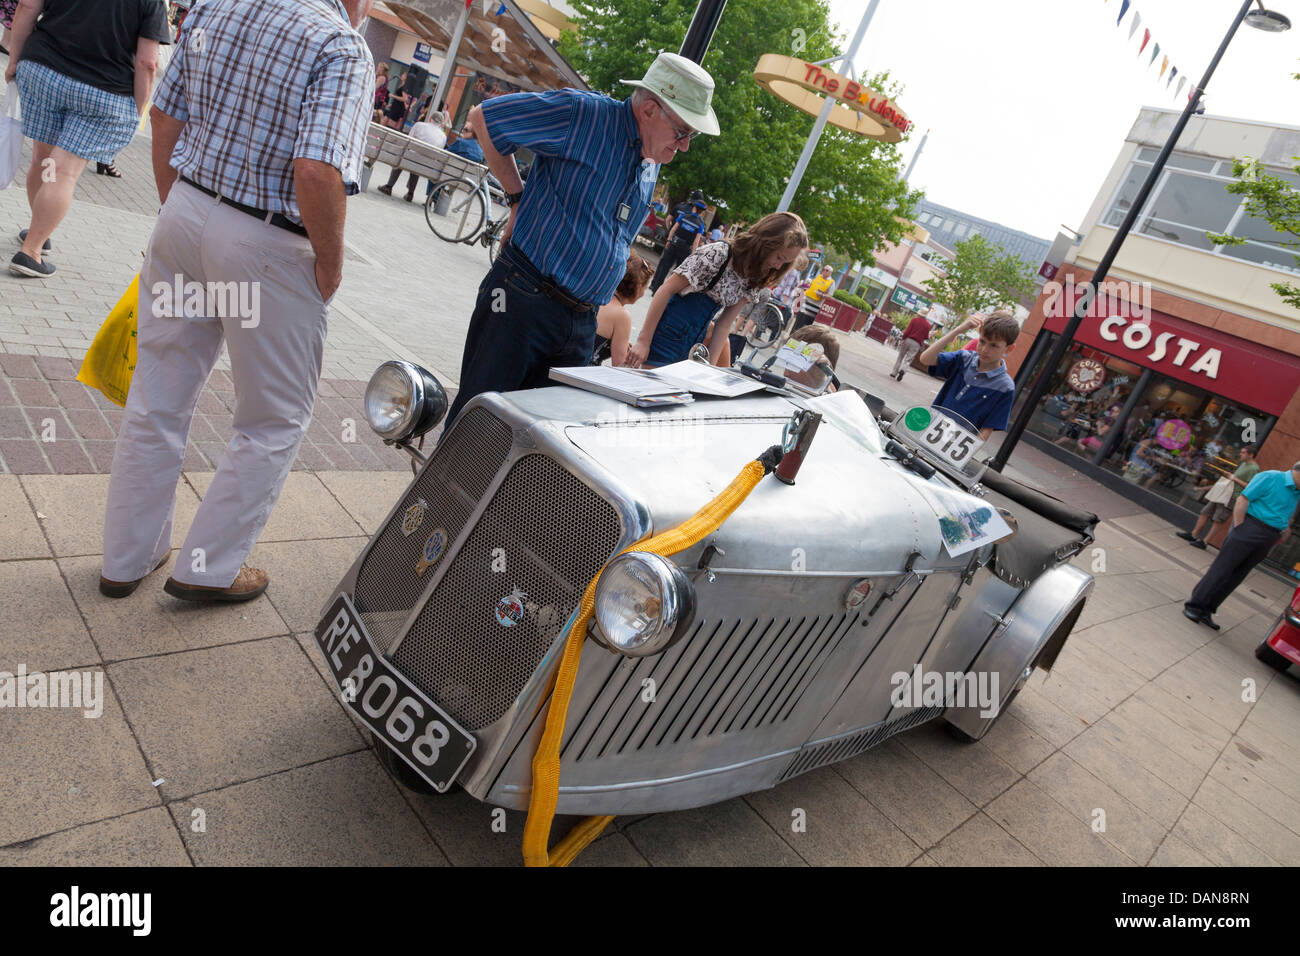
{"x":1271,"y":657}
{"x":397,"y":769}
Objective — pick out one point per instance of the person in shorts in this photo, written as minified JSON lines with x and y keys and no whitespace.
{"x":85,"y":72}
{"x":1217,"y":515}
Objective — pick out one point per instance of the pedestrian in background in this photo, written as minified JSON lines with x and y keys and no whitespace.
{"x":430,"y":132}
{"x":683,"y":239}
{"x":1263,"y":515}
{"x":914,"y":338}
{"x":7,"y":8}
{"x":570,"y":232}
{"x":812,"y":297}
{"x":268,"y":221}
{"x":85,"y":70}
{"x":1217,"y":514}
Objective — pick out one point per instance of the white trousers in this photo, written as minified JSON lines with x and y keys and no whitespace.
{"x":907,"y":350}
{"x":213,"y":274}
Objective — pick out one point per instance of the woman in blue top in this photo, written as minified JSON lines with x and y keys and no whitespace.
{"x":719,"y":276}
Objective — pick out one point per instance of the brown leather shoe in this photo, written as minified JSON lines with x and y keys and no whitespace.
{"x":248,"y":584}
{"x":120,"y":589}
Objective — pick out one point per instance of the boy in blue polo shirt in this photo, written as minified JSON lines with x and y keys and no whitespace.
{"x":977,"y":385}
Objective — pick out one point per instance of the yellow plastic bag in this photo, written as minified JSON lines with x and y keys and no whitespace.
{"x":110,"y":361}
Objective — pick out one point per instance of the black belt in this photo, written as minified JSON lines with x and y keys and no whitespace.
{"x":274,"y":218}
{"x":550,"y":287}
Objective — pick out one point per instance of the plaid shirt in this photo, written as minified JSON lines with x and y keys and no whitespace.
{"x":589,"y":189}
{"x":260,"y":83}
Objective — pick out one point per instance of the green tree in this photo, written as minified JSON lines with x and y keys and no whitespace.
{"x":850,"y":197}
{"x":1272,"y":200}
{"x":981,"y":277}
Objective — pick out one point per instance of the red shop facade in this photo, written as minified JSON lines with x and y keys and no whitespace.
{"x":1155,"y":399}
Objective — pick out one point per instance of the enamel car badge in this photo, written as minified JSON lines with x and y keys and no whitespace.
{"x":413,"y":517}
{"x":433,"y":549}
{"x":510,"y":609}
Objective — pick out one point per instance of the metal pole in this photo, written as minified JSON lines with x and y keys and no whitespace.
{"x":700,"y":33}
{"x":915,"y":156}
{"x":802,"y":166}
{"x":1103,"y":267}
{"x":449,"y":66}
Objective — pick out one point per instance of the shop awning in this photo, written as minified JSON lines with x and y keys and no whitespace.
{"x":523,"y":56}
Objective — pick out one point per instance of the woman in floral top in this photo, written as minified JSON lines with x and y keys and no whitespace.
{"x":717,"y":276}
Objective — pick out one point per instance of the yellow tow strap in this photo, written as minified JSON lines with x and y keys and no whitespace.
{"x":546,"y":762}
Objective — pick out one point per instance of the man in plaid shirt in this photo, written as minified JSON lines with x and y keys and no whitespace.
{"x":259,"y":125}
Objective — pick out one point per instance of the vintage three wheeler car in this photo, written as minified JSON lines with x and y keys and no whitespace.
{"x":808,"y":620}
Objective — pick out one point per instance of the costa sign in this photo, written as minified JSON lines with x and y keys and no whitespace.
{"x":1087,"y":375}
{"x":858,"y":109}
{"x":1137,"y":336}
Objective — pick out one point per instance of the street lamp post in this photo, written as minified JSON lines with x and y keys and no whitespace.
{"x":700,"y":32}
{"x":1260,"y":19}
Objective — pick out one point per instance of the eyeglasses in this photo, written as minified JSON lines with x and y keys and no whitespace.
{"x":679,"y":135}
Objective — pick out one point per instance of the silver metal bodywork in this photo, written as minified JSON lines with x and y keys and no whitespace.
{"x":536,"y":490}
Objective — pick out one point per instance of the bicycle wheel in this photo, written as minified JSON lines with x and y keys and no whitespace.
{"x":454,"y":210}
{"x":495,"y":232}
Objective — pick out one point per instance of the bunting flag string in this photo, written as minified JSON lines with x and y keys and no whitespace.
{"x":1147,"y":39}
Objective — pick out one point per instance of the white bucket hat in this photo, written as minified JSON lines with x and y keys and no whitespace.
{"x":685,"y":88}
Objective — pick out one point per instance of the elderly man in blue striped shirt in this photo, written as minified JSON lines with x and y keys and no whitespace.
{"x":571,"y":231}
{"x":259,"y":125}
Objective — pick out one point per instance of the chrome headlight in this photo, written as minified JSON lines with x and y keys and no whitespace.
{"x":403,"y":401}
{"x":644,"y":604}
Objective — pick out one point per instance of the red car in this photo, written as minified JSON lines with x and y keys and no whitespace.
{"x":1281,"y":648}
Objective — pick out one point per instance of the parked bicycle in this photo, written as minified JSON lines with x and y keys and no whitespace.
{"x":461,"y":210}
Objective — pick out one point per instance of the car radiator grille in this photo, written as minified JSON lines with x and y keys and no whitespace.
{"x":452,"y":484}
{"x":540,"y":540}
{"x":726,"y":677}
{"x":833,"y":751}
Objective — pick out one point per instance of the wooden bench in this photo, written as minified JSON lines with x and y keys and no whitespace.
{"x":396,"y":149}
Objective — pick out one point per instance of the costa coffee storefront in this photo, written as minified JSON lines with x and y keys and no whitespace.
{"x":1157,"y":405}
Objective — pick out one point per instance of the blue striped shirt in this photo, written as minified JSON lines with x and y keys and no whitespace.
{"x":588,"y":175}
{"x":259,"y":85}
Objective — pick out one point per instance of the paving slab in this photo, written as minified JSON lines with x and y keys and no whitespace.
{"x":1175,"y":851}
{"x":1210,"y":685}
{"x":303,"y":574}
{"x":970,"y":768}
{"x":1116,"y":596}
{"x":1016,"y":743}
{"x":981,"y":842}
{"x":612,"y":848}
{"x":1126,"y":773}
{"x":1049,"y":831}
{"x":150,"y":621}
{"x":367,"y":496}
{"x":1204,"y":831}
{"x":891,"y":776}
{"x":305,"y":510}
{"x":39,"y":624}
{"x":60,"y":768}
{"x":1238,"y":775}
{"x":1148,"y":642}
{"x":143,"y":838}
{"x":829,"y":823}
{"x":343,"y":811}
{"x":1091,"y":800}
{"x":726,"y":834}
{"x":22,"y":537}
{"x":74,"y":505}
{"x":213,"y":717}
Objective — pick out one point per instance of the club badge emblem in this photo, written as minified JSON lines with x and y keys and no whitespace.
{"x":434,"y":546}
{"x":510,"y":609}
{"x":414,"y":517}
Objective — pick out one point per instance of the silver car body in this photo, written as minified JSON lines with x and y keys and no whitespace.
{"x":537,"y":490}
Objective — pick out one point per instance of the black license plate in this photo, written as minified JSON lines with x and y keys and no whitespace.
{"x":398,"y":713}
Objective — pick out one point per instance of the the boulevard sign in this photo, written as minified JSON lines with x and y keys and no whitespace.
{"x":858,"y":108}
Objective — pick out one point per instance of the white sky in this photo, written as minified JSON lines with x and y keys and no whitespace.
{"x":1028,"y":101}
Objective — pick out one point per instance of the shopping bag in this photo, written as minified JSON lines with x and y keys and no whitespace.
{"x":11,"y":138}
{"x":1221,"y":493}
{"x":110,"y":361}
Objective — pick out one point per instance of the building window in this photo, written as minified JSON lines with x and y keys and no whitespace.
{"x":960,"y":230}
{"x":1190,"y":199}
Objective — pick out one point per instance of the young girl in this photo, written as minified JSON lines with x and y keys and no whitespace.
{"x":717,"y":276}
{"x":613,"y":322}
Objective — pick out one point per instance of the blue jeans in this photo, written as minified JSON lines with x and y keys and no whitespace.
{"x":684,"y":322}
{"x":516,"y":344}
